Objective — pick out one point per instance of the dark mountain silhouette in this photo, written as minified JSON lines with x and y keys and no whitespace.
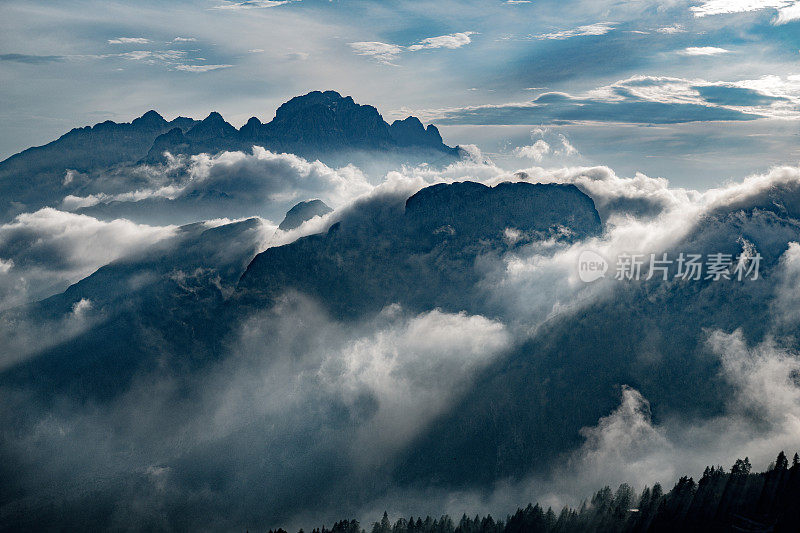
{"x":37,"y":176}
{"x":318,"y":125}
{"x":302,"y":212}
{"x":420,"y":254}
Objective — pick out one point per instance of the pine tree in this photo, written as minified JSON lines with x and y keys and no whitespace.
{"x":781,"y":463}
{"x":741,"y":466}
{"x":658,"y":493}
{"x":644,"y":499}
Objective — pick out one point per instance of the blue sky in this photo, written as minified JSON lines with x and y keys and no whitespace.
{"x":698,"y":91}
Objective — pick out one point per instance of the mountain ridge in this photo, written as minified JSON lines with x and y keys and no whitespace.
{"x":318,"y":125}
{"x":314,"y":123}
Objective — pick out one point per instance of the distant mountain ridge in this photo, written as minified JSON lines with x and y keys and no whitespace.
{"x":318,"y":125}
{"x":318,"y":122}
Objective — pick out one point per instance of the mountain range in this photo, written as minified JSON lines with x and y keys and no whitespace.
{"x":318,"y":125}
{"x":417,"y":340}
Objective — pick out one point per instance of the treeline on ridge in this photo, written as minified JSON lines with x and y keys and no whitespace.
{"x":734,"y":500}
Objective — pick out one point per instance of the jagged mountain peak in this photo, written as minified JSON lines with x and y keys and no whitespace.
{"x":251,"y":129}
{"x":328,"y":119}
{"x":151,"y":119}
{"x":329,"y":99}
{"x":214,"y":116}
{"x":213,"y":126}
{"x":410,"y":132}
{"x":320,"y":124}
{"x":411,"y":121}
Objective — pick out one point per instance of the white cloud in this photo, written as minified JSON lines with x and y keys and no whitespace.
{"x":129,"y":40}
{"x":200,"y":68}
{"x":675,"y":28}
{"x":393,"y":374}
{"x":600,"y":28}
{"x":173,"y":59}
{"x":721,"y":7}
{"x":787,"y":10}
{"x":253,"y":4}
{"x":566,"y":147}
{"x":259,"y":181}
{"x":416,"y":366}
{"x":788,"y":14}
{"x":154,"y":56}
{"x":382,"y":52}
{"x":703,"y":51}
{"x":786,"y":306}
{"x":263,"y":176}
{"x":184,"y":40}
{"x":43,"y":252}
{"x":452,"y":41}
{"x":536,"y":151}
{"x":386,"y":53}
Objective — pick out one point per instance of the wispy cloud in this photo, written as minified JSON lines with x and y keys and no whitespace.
{"x":129,"y":40}
{"x":184,"y":40}
{"x":200,"y":68}
{"x":382,"y":52}
{"x":386,"y":53}
{"x":643,"y":99}
{"x":174,"y":59}
{"x":703,"y":51}
{"x":154,"y":56}
{"x":30,"y":59}
{"x":254,"y":4}
{"x":675,"y":28}
{"x":600,"y":28}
